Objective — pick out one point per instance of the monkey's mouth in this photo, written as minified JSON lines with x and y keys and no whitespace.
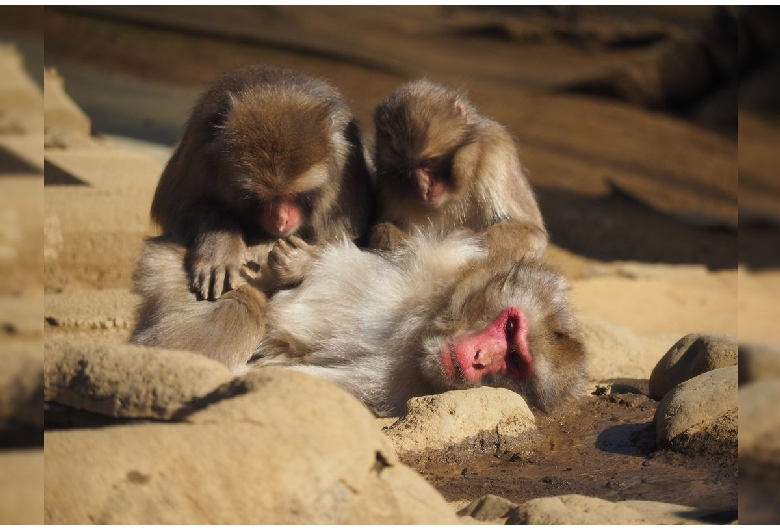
{"x":501,"y":349}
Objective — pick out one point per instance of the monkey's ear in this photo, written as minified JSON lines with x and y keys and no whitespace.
{"x":460,"y":106}
{"x":217,"y":120}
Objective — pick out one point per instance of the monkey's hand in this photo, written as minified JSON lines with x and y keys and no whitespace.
{"x":290,"y":260}
{"x":523,"y":239}
{"x":386,"y":236}
{"x":214,"y":264}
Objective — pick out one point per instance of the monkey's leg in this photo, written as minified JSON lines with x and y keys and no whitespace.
{"x":290,"y":260}
{"x":522,"y":239}
{"x":386,"y":236}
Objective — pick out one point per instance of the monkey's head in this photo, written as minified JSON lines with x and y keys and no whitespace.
{"x":508,"y":325}
{"x":279,"y":152}
{"x":419,"y":130}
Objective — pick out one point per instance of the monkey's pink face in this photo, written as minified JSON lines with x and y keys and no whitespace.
{"x":281,"y":217}
{"x":499,"y":349}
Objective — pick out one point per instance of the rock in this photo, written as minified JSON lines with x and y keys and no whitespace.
{"x":60,"y":113}
{"x":127,"y":381}
{"x":615,"y":351}
{"x":275,"y":447}
{"x":692,"y":355}
{"x":579,"y":509}
{"x":21,"y":384}
{"x":106,"y":308}
{"x":485,"y":417}
{"x":488,"y":508}
{"x":700,"y":415}
{"x":665,"y":513}
{"x":759,"y":429}
{"x":21,"y":487}
{"x":758,"y":361}
{"x":17,"y":90}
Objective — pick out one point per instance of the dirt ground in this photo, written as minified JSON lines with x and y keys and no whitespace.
{"x":634,"y":158}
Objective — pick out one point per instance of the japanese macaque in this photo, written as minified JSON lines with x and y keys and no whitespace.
{"x":436,"y":314}
{"x":441,"y":164}
{"x":267,"y":152}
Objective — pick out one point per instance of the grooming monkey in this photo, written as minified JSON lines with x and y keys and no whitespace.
{"x":434,"y":315}
{"x":441,"y":164}
{"x":266,"y":153}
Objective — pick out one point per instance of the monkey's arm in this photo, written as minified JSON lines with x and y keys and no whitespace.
{"x":386,"y":236}
{"x":517,"y":238}
{"x":217,"y":251}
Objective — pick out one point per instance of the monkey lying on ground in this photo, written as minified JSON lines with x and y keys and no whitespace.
{"x":267,"y":152}
{"x":437,"y":314}
{"x":439,"y":163}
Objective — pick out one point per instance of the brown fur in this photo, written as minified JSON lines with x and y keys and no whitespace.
{"x":258,"y":136}
{"x":424,"y":123}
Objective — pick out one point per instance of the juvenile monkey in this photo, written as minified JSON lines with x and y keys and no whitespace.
{"x":266,"y":153}
{"x":441,"y":164}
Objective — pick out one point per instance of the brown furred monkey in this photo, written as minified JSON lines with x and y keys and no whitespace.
{"x":266,"y":153}
{"x":441,"y":164}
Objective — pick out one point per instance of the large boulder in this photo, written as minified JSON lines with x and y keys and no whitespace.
{"x":700,"y":415}
{"x":692,"y":355}
{"x":276,"y":447}
{"x":485,"y":418}
{"x":124,"y":380}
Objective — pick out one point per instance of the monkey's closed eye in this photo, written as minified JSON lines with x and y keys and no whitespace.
{"x":559,"y":335}
{"x":307,"y":199}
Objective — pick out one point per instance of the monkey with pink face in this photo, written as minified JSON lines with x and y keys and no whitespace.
{"x":436,"y":314}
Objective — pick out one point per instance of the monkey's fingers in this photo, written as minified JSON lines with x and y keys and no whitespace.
{"x":297,"y":242}
{"x":234,"y":277}
{"x":200,"y":284}
{"x":218,"y":278}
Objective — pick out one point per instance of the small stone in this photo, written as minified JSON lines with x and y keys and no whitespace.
{"x":700,"y":415}
{"x":758,"y":362}
{"x":692,"y":355}
{"x":488,"y":508}
{"x":759,"y":429}
{"x":579,"y":509}
{"x":492,"y":417}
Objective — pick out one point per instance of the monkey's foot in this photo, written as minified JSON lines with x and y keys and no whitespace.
{"x":290,"y":260}
{"x":386,"y":236}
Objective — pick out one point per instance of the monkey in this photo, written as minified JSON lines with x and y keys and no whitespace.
{"x":437,"y":314}
{"x":266,"y":152}
{"x":441,"y":164}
